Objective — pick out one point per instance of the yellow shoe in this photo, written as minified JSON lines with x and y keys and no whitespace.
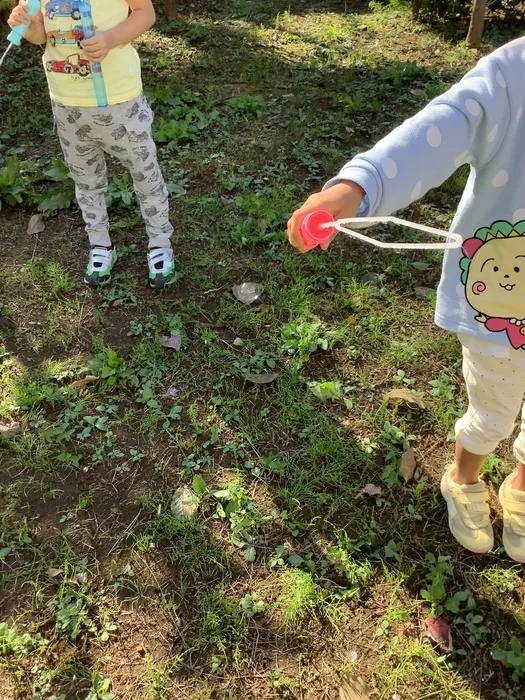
{"x":468,"y":513}
{"x":513,"y":504}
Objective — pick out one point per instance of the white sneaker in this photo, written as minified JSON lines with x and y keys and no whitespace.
{"x":468,"y":512}
{"x":100,"y":264}
{"x":161,"y":267}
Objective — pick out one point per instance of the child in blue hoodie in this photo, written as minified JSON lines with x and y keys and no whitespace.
{"x":481,"y":296}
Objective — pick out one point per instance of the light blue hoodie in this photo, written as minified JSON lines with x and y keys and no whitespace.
{"x":479,"y":121}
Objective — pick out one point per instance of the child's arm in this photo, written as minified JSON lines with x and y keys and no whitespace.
{"x":465,"y":125}
{"x":36,"y":34}
{"x":140,"y":19}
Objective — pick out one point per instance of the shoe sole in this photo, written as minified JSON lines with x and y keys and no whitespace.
{"x":520,"y":560}
{"x":448,"y":500}
{"x":98,"y":284}
{"x":168,"y":284}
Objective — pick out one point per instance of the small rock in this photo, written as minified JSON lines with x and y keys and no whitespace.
{"x":370,"y":278}
{"x":238,"y":342}
{"x":9,"y":428}
{"x":351,"y":657}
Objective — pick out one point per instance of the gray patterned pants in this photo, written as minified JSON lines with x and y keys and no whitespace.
{"x":123,"y":131}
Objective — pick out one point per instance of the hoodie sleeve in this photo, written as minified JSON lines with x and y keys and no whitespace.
{"x":467,"y":124}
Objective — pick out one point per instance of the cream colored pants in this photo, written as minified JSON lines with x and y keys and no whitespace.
{"x":495,"y":379}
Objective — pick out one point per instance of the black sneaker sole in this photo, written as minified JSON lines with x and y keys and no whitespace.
{"x":94,"y":285}
{"x":153,"y":285}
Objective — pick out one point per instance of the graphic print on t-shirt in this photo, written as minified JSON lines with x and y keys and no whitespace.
{"x":62,"y":9}
{"x":66,"y":15}
{"x":70,"y":36}
{"x":493,"y":274}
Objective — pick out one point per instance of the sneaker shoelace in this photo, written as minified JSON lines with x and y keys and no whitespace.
{"x":99,"y":258}
{"x":160,"y":259}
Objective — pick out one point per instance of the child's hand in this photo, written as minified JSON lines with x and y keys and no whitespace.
{"x":341,"y":200}
{"x":98,"y":47}
{"x":20,"y":15}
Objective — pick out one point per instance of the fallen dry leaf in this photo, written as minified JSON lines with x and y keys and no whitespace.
{"x":35,"y":225}
{"x":424,"y":292}
{"x":184,"y":503}
{"x":354,"y":689}
{"x":173,"y":392}
{"x":53,"y":573}
{"x":263,"y":378}
{"x":406,"y":395}
{"x":9,"y":428}
{"x":247,"y":292}
{"x":370,"y":490}
{"x":407,"y":631}
{"x":173,"y":341}
{"x":408,"y":465}
{"x":88,"y":379}
{"x":439,"y":632}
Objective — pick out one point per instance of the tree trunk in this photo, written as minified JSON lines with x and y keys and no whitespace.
{"x":416,"y":9}
{"x":477,"y":21}
{"x":170,"y":8}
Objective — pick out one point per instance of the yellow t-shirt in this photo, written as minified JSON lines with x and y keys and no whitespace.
{"x":67,"y":68}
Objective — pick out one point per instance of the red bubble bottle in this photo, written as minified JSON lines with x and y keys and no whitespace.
{"x":316,"y":228}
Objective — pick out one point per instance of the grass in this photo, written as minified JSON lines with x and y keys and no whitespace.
{"x":287,"y":577}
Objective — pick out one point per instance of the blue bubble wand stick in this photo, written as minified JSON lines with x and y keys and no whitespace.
{"x":96,"y":69}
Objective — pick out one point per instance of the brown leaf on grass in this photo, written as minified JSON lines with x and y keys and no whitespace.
{"x":354,"y":689}
{"x":407,"y":631}
{"x":53,"y":573}
{"x":370,"y":490}
{"x":35,"y":225}
{"x":406,"y":395}
{"x":439,"y":632}
{"x":408,"y":465}
{"x":263,"y":378}
{"x":88,"y":379}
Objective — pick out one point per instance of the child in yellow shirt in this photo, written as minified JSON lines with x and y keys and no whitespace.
{"x":87,"y":132}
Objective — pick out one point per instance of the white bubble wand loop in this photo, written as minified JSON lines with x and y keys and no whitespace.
{"x":454,"y":240}
{"x":319,"y":226}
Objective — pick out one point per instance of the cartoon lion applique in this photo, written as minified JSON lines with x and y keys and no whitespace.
{"x":493,"y":273}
